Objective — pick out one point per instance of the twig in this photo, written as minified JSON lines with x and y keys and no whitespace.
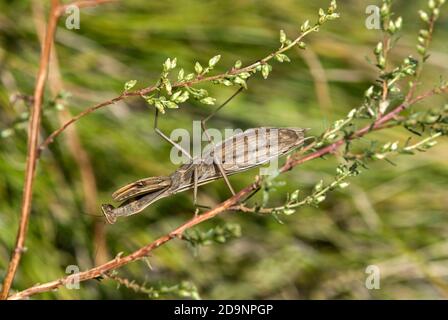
{"x":74,"y":144}
{"x":33,"y":137}
{"x":229,"y":204}
{"x":32,"y":152}
{"x":57,"y":132}
{"x":179,"y":84}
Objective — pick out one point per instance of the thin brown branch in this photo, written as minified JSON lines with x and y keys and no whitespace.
{"x":57,"y":132}
{"x":75,"y":147}
{"x":229,"y":204}
{"x":33,"y":139}
{"x":138,"y":254}
{"x":386,"y":48}
{"x":179,"y":84}
{"x":32,"y":151}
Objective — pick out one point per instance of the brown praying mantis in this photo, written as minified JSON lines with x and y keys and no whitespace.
{"x":235,"y":154}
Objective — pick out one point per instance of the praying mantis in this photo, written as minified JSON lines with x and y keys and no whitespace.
{"x":238,"y":153}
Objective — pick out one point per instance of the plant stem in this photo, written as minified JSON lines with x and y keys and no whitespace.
{"x":33,"y":137}
{"x":32,"y":152}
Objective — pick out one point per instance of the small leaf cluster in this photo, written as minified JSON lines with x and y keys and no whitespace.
{"x":20,"y":123}
{"x":435,"y":120}
{"x":337,"y":129}
{"x":218,"y":234}
{"x":428,"y":17}
{"x":384,"y":151}
{"x":185,"y":289}
{"x":286,"y":43}
{"x":169,"y":95}
{"x":374,"y":103}
{"x":388,"y":25}
{"x":201,"y":71}
{"x":319,"y":192}
{"x":330,"y":14}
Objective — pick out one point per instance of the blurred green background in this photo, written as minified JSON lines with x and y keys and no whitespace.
{"x":394,"y":217}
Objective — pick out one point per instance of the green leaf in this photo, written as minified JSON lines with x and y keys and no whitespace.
{"x":305,"y":26}
{"x":198,"y":68}
{"x":181,"y":74}
{"x":238,"y":64}
{"x":282,"y":37}
{"x":295,"y":195}
{"x":265,"y":69}
{"x":159,"y":106}
{"x":213,"y":61}
{"x":179,"y":96}
{"x":343,"y":185}
{"x":333,"y":6}
{"x":167,"y":64}
{"x":332,"y":16}
{"x":424,"y":16}
{"x":421,"y":50}
{"x":176,"y":95}
{"x":208,"y":100}
{"x":173,"y":63}
{"x":59,"y":106}
{"x":319,"y":186}
{"x":424,"y":33}
{"x":399,"y":23}
{"x":289,"y":211}
{"x":184,"y":97}
{"x":129,"y":85}
{"x":226,"y":82}
{"x":171,"y":105}
{"x":319,"y":199}
{"x":244,"y":75}
{"x":6,"y":133}
{"x":149,"y":99}
{"x":168,"y":86}
{"x":189,"y":77}
{"x":240,"y":81}
{"x":280,"y":57}
{"x":198,"y":93}
{"x":379,"y":48}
